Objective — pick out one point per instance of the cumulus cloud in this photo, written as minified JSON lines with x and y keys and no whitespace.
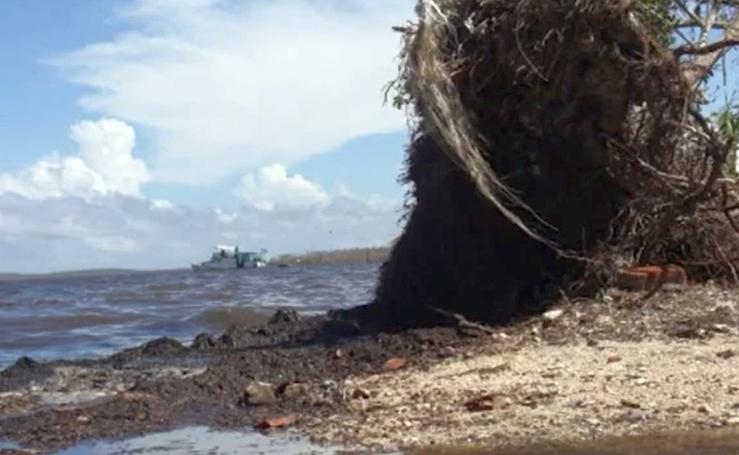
{"x":53,"y":176}
{"x":227,"y":87}
{"x":104,"y":165}
{"x":273,"y":194}
{"x":272,"y":188}
{"x":87,"y":211}
{"x":106,"y":147}
{"x":40,"y":235}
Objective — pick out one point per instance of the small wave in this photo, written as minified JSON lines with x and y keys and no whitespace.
{"x":64,"y":323}
{"x":167,"y":287}
{"x":121,"y":296}
{"x":9,"y":292}
{"x":215,"y":296}
{"x":43,"y":302}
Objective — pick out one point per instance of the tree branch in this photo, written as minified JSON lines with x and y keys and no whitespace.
{"x":683,"y":5}
{"x":718,"y":25}
{"x":693,"y":49}
{"x":707,"y":55}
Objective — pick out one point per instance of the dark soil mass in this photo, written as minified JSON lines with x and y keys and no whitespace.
{"x":23,"y":372}
{"x":459,"y":253}
{"x":303,"y":360}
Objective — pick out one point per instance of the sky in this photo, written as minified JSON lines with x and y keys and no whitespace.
{"x":140,"y":133}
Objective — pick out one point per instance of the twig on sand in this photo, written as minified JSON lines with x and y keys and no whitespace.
{"x":463,"y":321}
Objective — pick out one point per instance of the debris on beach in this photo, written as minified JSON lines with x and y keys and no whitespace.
{"x":394,"y":364}
{"x":276,"y":422}
{"x":259,"y":393}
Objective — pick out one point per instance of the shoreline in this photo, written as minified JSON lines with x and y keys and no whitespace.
{"x":586,"y":369}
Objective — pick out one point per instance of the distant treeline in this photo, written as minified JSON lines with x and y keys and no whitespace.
{"x":348,"y":256}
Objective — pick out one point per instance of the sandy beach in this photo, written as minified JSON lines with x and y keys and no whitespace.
{"x":583,"y":371}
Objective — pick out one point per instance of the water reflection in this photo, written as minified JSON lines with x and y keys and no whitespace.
{"x":698,"y":443}
{"x":200,"y":440}
{"x":7,"y":445}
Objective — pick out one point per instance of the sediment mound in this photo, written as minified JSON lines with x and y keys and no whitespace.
{"x":553,"y":142}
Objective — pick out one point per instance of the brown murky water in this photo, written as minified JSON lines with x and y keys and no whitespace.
{"x":698,"y":443}
{"x":92,"y":316}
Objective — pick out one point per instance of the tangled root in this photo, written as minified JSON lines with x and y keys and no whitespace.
{"x":548,"y":135}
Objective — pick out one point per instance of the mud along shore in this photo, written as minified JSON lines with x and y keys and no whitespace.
{"x":584,"y":370}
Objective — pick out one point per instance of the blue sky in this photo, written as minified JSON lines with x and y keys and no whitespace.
{"x":38,"y":99}
{"x":139,"y":133}
{"x":38,"y":106}
{"x":132,"y":125}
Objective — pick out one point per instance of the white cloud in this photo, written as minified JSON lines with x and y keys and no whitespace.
{"x":53,"y":176}
{"x":39,"y":235}
{"x":77,"y":227}
{"x":225,"y":217}
{"x":272,"y":188}
{"x":162,"y":205}
{"x":227,"y":87}
{"x":106,"y":147}
{"x":80,"y":212}
{"x":105,"y":165}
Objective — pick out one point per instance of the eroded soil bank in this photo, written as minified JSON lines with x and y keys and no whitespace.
{"x":585,"y":370}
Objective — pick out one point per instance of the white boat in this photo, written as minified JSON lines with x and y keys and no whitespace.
{"x":226,"y":257}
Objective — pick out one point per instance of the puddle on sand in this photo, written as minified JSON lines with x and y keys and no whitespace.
{"x":7,"y":445}
{"x":200,"y":440}
{"x":698,"y":443}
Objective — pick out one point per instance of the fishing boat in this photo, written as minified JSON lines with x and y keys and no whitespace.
{"x":226,"y":257}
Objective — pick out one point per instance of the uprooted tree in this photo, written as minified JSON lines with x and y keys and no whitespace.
{"x":554,"y":141}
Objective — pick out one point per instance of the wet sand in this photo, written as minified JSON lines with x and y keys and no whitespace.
{"x":721,"y":442}
{"x":614,"y":359}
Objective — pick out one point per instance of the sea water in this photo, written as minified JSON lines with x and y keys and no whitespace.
{"x":91,"y":316}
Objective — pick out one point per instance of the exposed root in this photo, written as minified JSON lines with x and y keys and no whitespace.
{"x":554,"y":140}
